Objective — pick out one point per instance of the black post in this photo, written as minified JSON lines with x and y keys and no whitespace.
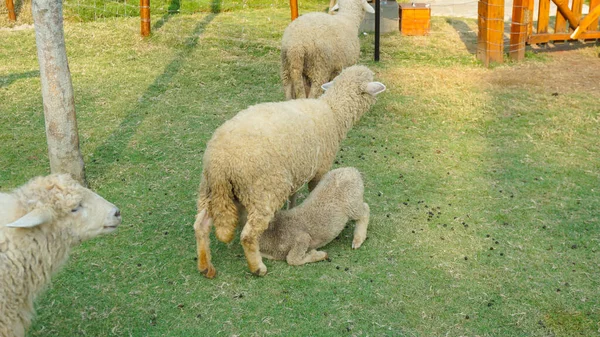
{"x":377,"y":28}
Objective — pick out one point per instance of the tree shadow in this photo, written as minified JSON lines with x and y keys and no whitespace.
{"x":113,"y":147}
{"x":215,"y":6}
{"x":466,"y":34}
{"x":7,"y":80}
{"x":18,"y":7}
{"x":174,"y":7}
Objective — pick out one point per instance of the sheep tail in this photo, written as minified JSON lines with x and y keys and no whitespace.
{"x":295,"y":63}
{"x":222,"y":208}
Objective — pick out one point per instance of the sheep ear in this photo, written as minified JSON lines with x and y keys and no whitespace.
{"x":32,"y":219}
{"x":375,"y":88}
{"x":368,"y":7}
{"x":335,"y":7}
{"x":327,"y":85}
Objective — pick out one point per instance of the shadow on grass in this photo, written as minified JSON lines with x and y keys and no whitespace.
{"x":18,"y":7}
{"x":467,"y":35}
{"x":5,"y":81}
{"x":215,"y":6}
{"x":173,"y":9}
{"x":112,"y":148}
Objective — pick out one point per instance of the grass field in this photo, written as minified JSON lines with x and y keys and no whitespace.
{"x":483,"y":186}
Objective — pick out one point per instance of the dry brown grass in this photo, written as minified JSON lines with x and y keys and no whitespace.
{"x":565,"y":72}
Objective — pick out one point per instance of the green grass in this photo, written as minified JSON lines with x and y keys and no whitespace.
{"x":457,"y":160}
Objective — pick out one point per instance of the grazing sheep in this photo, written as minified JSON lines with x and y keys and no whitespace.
{"x":257,"y":159}
{"x":39,"y":223}
{"x":317,"y":46}
{"x":295,"y":235}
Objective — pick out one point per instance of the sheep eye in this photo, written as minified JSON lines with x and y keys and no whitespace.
{"x":76,"y":208}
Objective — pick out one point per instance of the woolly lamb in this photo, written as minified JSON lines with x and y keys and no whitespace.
{"x":295,"y":235}
{"x":317,"y":46}
{"x":39,"y":223}
{"x":257,"y":159}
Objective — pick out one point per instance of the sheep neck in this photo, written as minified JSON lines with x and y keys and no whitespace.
{"x":353,"y":16}
{"x":347,"y":109}
{"x":45,"y":250}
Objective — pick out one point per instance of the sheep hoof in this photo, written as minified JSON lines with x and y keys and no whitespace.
{"x":261,"y":271}
{"x":320,"y":256}
{"x":357,"y":242}
{"x":209,"y":272}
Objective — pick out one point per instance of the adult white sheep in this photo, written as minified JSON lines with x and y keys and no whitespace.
{"x":39,"y":223}
{"x":317,"y":46}
{"x":294,"y":235}
{"x":267,"y":152}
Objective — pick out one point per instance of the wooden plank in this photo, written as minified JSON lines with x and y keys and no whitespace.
{"x":531,"y":7}
{"x":11,"y":10}
{"x":519,"y":29}
{"x":543,"y":17}
{"x":561,"y":23}
{"x":563,"y":7}
{"x":584,"y":24}
{"x":594,"y":24}
{"x":576,"y":8}
{"x":544,"y":38}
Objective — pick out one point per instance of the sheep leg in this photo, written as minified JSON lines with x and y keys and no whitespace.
{"x":256,"y":225}
{"x":298,"y":255}
{"x":360,"y":229}
{"x":202,"y":231}
{"x":315,"y":88}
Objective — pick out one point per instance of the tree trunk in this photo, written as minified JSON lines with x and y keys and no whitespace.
{"x":57,"y":90}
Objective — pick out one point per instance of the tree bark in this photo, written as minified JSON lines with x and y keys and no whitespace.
{"x":57,"y":90}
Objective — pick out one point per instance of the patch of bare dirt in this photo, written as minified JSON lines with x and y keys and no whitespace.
{"x":566,"y":72}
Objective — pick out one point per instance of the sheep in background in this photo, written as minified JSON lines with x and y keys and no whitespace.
{"x":317,"y":46}
{"x":264,"y":154}
{"x":39,"y":223}
{"x":295,"y":235}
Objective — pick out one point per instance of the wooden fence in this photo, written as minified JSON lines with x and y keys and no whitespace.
{"x":568,"y":26}
{"x":11,"y":10}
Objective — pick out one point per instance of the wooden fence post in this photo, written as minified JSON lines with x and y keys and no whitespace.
{"x":294,"y":7}
{"x":521,"y":19}
{"x":145,"y":17}
{"x":11,"y":10}
{"x":490,"y":40}
{"x":594,"y":24}
{"x":57,"y":90}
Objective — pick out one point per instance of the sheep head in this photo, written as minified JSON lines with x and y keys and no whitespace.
{"x":358,"y":79}
{"x":363,"y":3}
{"x":60,"y":202}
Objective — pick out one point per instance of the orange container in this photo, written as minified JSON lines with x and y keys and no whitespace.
{"x":414,"y":18}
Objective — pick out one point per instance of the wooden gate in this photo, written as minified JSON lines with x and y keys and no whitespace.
{"x":568,"y":24}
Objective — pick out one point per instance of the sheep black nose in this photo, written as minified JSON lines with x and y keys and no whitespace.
{"x":118,"y":213}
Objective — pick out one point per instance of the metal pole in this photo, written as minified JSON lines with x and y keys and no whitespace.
{"x":377,"y":28}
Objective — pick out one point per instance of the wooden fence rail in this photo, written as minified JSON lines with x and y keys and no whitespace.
{"x":571,"y":24}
